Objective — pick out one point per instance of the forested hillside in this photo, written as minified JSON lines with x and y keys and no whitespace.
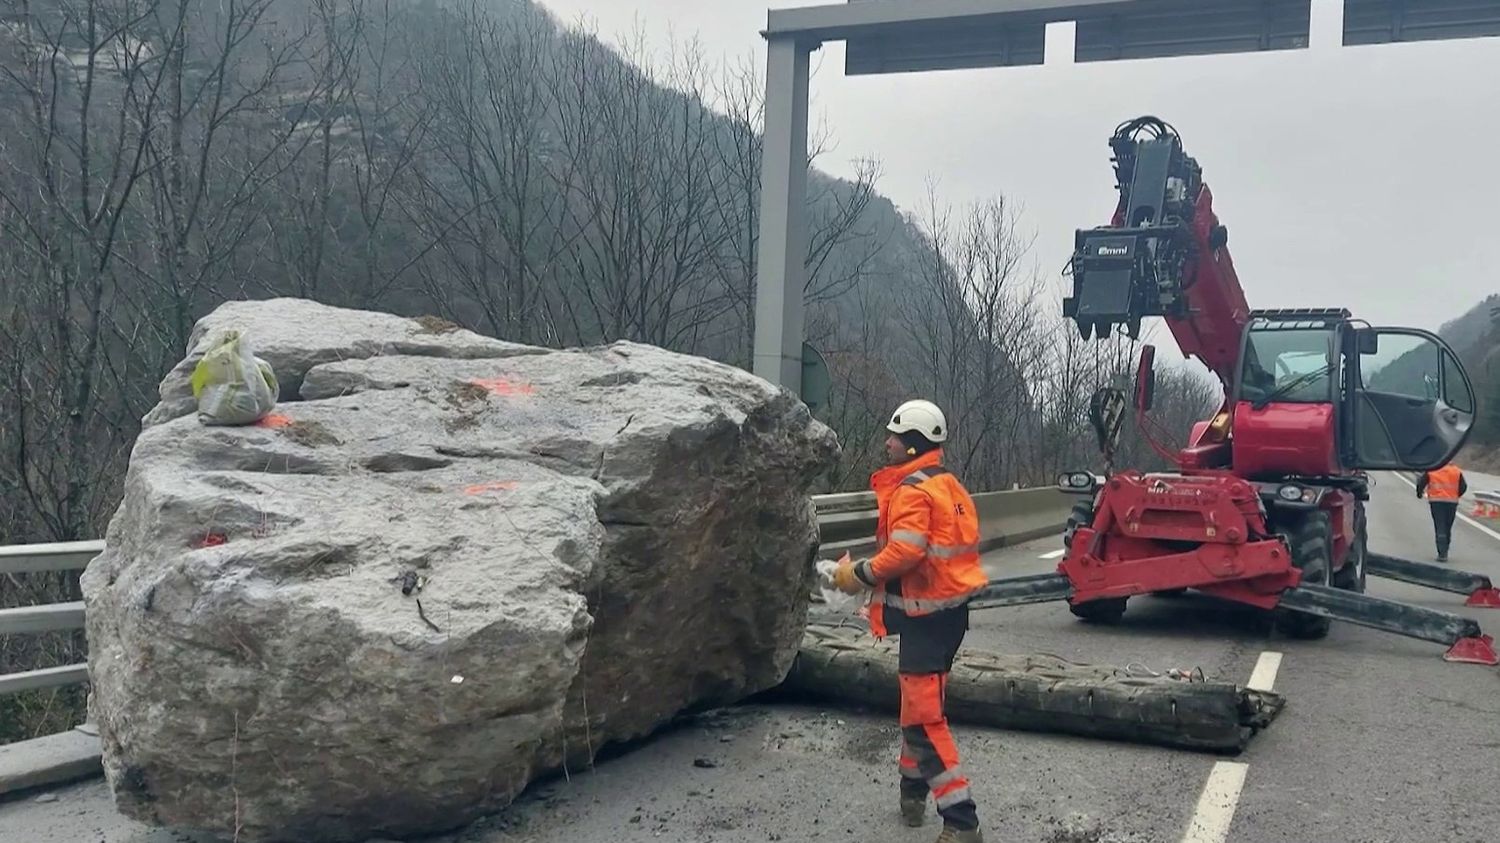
{"x":471,"y":160}
{"x":1476,"y":336}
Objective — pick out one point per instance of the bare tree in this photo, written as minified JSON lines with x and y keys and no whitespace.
{"x":391,"y":129}
{"x":740,"y":96}
{"x":1074,"y":370}
{"x":341,"y":224}
{"x":71,"y":358}
{"x":491,"y":200}
{"x":232,"y":82}
{"x":321,"y":121}
{"x":642,"y":199}
{"x":73,"y":161}
{"x":973,"y":321}
{"x":866,"y":385}
{"x":845,"y":237}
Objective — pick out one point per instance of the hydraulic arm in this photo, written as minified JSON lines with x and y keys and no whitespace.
{"x":1164,"y":254}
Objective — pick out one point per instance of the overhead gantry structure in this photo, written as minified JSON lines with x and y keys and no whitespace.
{"x":896,"y":36}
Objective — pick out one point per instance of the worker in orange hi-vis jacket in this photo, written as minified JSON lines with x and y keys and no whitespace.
{"x":1444,"y":486}
{"x":920,"y":580}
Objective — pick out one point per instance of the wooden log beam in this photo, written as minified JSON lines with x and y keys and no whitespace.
{"x":1039,"y":693}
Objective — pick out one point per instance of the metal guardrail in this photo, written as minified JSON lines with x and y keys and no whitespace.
{"x":47,"y":618}
{"x":39,"y":558}
{"x":1486,"y":494}
{"x":846,"y":522}
{"x":47,"y":677}
{"x":56,"y":556}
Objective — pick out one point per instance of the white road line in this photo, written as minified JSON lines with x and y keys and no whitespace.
{"x":1264,"y":675}
{"x":1053,"y":555}
{"x":1216,"y":806}
{"x":1221,"y":793}
{"x":1462,"y":517}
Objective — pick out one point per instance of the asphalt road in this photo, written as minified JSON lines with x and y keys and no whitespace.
{"x":1381,"y":741}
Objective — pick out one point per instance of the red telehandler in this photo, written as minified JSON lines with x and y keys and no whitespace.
{"x":1267,"y":506}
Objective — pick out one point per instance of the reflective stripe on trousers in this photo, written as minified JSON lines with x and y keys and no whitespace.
{"x":927,"y":744}
{"x":908,"y":762}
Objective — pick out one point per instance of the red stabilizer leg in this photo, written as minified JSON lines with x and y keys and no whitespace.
{"x":1484,"y":598}
{"x":1476,"y":650}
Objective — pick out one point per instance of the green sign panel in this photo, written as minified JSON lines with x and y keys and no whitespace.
{"x":816,"y":382}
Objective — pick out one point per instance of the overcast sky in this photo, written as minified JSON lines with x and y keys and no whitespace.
{"x":1360,"y":177}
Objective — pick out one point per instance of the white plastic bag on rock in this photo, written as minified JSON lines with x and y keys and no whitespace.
{"x":835,"y":599}
{"x":232,"y":385}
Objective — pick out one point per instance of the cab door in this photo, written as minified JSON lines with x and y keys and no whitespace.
{"x":1410,"y":401}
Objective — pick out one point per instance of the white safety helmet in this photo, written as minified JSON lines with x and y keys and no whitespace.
{"x":921,"y":416}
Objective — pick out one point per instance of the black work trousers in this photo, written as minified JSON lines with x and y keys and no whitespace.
{"x":1443,"y":513}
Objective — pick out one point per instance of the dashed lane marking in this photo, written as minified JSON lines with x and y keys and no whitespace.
{"x":1264,"y":675}
{"x":1216,"y":806}
{"x":1221,"y":793}
{"x":1053,"y":555}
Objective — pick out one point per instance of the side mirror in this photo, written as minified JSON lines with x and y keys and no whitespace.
{"x":1368,"y":340}
{"x":1145,"y":379}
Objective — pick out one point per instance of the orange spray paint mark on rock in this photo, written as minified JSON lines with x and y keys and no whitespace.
{"x":275,"y":420}
{"x":503,"y":386}
{"x":498,"y":486}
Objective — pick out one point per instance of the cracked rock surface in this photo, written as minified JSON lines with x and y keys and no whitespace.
{"x":449,"y":565}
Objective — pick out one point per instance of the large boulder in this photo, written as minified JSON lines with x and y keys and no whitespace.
{"x":448,"y":566}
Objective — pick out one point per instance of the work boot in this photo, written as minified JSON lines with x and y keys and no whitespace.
{"x":913,"y":810}
{"x":953,"y":835}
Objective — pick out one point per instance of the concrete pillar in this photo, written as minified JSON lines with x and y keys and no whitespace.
{"x":780,"y":273}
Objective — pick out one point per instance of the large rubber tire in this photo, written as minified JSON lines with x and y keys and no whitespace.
{"x":1097,"y":611}
{"x":1109,"y":610}
{"x":1351,"y":577}
{"x":1310,"y":538}
{"x":1082,"y":514}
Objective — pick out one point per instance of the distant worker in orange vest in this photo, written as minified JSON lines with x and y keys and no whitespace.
{"x":1444,"y":486}
{"x":925,"y":570}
